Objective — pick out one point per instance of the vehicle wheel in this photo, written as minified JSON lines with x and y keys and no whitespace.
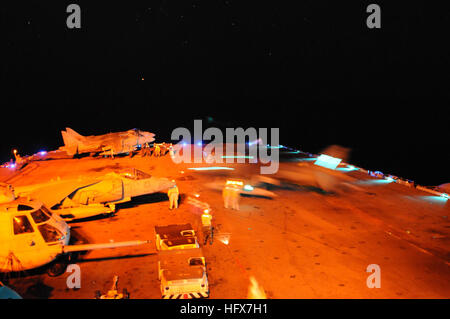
{"x":57,"y":268}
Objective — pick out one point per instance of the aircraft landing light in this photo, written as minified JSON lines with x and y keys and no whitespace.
{"x":328,"y":161}
{"x":349,"y":168}
{"x":248,"y":187}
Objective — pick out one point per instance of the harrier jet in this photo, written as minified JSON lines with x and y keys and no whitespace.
{"x":79,"y":198}
{"x":111,"y":143}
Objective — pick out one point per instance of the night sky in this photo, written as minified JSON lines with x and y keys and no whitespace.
{"x":311,"y":68}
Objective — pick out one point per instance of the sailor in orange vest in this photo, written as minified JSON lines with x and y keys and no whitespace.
{"x":145,"y":151}
{"x":207,"y":227}
{"x":235,"y":196}
{"x":157,"y":151}
{"x":173,"y":196}
{"x":226,"y":194}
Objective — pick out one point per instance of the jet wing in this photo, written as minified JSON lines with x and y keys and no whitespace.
{"x":84,"y":211}
{"x":147,"y":186}
{"x":115,"y":143}
{"x":53,"y":193}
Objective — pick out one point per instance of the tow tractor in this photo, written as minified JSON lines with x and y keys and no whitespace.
{"x":183,"y":274}
{"x":175,"y":237}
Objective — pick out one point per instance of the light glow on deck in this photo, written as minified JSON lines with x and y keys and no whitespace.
{"x":374,"y":181}
{"x":237,"y":156}
{"x":306,"y":159}
{"x":349,"y":168}
{"x":211,"y":168}
{"x":435,"y":199}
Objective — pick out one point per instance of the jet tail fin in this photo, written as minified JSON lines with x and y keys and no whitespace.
{"x":70,"y":143}
{"x":337,"y":151}
{"x":74,"y":134}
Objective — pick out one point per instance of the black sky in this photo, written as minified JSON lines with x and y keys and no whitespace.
{"x":312,"y":68}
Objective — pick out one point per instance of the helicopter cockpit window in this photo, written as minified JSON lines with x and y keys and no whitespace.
{"x":22,"y":207}
{"x":22,"y":225}
{"x":39,"y":216}
{"x":50,"y":233}
{"x":46,"y":211}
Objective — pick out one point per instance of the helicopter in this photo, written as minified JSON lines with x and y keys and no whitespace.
{"x":32,"y":236}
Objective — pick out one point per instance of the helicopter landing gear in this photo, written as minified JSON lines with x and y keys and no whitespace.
{"x":58,"y":267}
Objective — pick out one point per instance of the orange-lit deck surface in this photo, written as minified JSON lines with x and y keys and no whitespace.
{"x":302,"y":244}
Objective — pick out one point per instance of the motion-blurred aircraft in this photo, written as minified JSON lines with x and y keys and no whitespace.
{"x":244,"y":187}
{"x":309,"y":174}
{"x":111,"y":143}
{"x":321,"y":172}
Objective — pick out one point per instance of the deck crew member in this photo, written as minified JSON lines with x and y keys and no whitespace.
{"x":207,"y":227}
{"x":226,"y":194}
{"x":157,"y":151}
{"x":235,"y":196}
{"x":145,"y":150}
{"x":173,"y":194}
